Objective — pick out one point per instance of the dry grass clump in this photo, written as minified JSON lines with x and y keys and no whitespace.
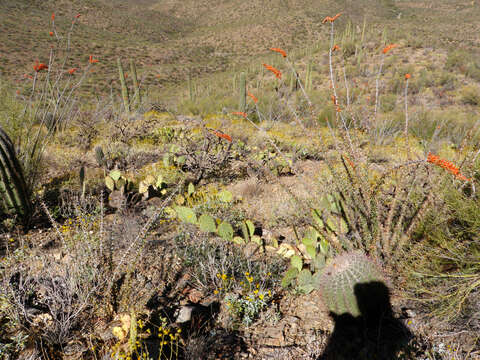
{"x":55,"y":294}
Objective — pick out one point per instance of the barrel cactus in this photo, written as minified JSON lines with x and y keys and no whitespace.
{"x":14,"y":194}
{"x":343,"y":279}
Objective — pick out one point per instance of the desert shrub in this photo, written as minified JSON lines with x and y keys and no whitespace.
{"x":91,"y":273}
{"x":448,"y":279}
{"x":457,"y":60}
{"x":470,"y":95}
{"x":473,"y":70}
{"x":11,"y":112}
{"x":388,"y":102}
{"x":426,"y":79}
{"x":206,"y":258}
{"x":446,"y":79}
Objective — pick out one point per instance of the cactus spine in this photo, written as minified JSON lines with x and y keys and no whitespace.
{"x":123,"y":83}
{"x":15,"y":197}
{"x":136,"y":87}
{"x":242,"y":92}
{"x":338,"y":280}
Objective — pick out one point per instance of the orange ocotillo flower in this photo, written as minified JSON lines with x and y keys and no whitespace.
{"x":50,"y":33}
{"x":53,"y":16}
{"x":280,"y":51}
{"x":255,"y":100}
{"x":241,"y":113}
{"x":331,"y":19}
{"x":221,"y":135}
{"x":389,"y":47}
{"x":92,"y":60}
{"x":39,"y":66}
{"x":407,"y":76}
{"x":447,"y":165}
{"x":72,"y":71}
{"x":277,"y":72}
{"x":335,"y":48}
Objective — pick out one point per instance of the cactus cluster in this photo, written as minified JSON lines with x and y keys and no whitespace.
{"x":151,"y":186}
{"x":116,"y":181}
{"x":224,"y":229}
{"x":314,"y":249}
{"x":339,"y":279}
{"x":14,"y":194}
{"x":123,"y":83}
{"x":172,"y":158}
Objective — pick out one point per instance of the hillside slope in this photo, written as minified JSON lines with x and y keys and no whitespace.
{"x":170,"y":39}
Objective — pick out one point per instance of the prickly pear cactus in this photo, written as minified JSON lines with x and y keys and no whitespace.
{"x":14,"y":196}
{"x":339,"y":279}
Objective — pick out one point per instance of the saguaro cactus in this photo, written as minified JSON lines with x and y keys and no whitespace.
{"x":308,"y":77}
{"x":136,"y":87}
{"x":123,"y":83}
{"x":14,"y":195}
{"x":242,"y":92}
{"x":191,"y":90}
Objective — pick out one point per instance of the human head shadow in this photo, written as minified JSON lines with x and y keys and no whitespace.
{"x":375,"y":334}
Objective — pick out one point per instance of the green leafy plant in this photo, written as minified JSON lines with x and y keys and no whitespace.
{"x":252,"y":299}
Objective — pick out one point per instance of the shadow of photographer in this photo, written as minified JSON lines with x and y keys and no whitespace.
{"x":375,"y":334}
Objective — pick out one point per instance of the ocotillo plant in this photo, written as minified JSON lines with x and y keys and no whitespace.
{"x":242,"y":92}
{"x":14,"y":195}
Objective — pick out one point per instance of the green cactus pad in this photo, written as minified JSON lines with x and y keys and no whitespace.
{"x":296,"y":262}
{"x":207,"y":223}
{"x":115,"y":174}
{"x":289,"y":276}
{"x":186,"y":214}
{"x":225,"y":231}
{"x":339,"y":278}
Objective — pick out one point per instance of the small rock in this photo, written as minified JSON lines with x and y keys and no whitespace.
{"x":184,"y":314}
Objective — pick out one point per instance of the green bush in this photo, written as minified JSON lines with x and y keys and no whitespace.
{"x":456,"y":60}
{"x":388,"y":102}
{"x":470,"y":95}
